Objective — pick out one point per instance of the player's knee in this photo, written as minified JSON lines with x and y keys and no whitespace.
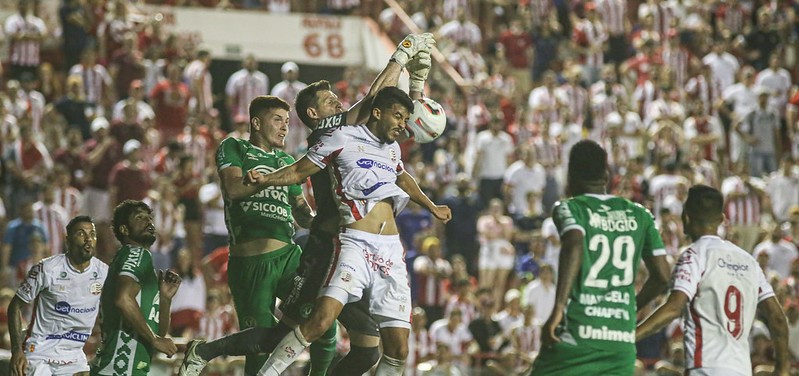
{"x":396,"y":350}
{"x":367,"y":356}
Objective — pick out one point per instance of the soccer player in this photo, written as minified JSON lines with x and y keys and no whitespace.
{"x":591,"y":330}
{"x":371,"y":187}
{"x":135,"y":300}
{"x":719,"y":286}
{"x":319,"y":109}
{"x":66,"y":289}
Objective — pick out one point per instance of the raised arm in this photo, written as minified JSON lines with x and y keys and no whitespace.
{"x":295,"y":173}
{"x":407,"y":183}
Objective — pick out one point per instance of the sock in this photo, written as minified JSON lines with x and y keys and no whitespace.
{"x":359,"y":361}
{"x":323,"y":350}
{"x":250,"y":341}
{"x":285,"y":353}
{"x":390,"y":367}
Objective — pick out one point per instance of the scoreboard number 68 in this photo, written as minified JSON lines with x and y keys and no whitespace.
{"x":329,"y":45}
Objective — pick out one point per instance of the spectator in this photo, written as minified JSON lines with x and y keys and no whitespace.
{"x":214,"y":231}
{"x":589,"y":36}
{"x":188,"y":305}
{"x":129,"y":179}
{"x":98,"y":87}
{"x":462,"y":31}
{"x":723,"y":65}
{"x":420,"y":349}
{"x":243,"y":86}
{"x":32,"y":101}
{"x":17,"y":246}
{"x":27,"y":164}
{"x":782,"y":187}
{"x":127,"y":66}
{"x":485,"y":331}
{"x":26,"y":32}
{"x":444,"y":364}
{"x":497,"y":254}
{"x":431,"y":270}
{"x":540,"y":293}
{"x":760,"y":130}
{"x":460,"y":237}
{"x":494,"y":149}
{"x":762,"y":41}
{"x":525,"y":341}
{"x":512,"y":316}
{"x":74,"y":108}
{"x":452,"y":333}
{"x":170,"y":100}
{"x":781,"y":253}
{"x":287,"y":90}
{"x":523,"y":179}
{"x":53,"y":218}
{"x":792,"y":312}
{"x":65,"y":195}
{"x":743,"y":206}
{"x":198,"y":77}
{"x":135,"y":96}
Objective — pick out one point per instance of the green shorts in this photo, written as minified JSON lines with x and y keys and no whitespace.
{"x":257,"y":281}
{"x":564,"y":359}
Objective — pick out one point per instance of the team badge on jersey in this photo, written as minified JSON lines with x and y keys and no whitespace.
{"x":393,"y":155}
{"x":96,"y":288}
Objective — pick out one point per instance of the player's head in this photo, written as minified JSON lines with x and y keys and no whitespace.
{"x":391,"y":109}
{"x":133,"y":222}
{"x":588,"y":168}
{"x":703,"y":211}
{"x":81,"y":239}
{"x":315,"y":102}
{"x":269,"y":120}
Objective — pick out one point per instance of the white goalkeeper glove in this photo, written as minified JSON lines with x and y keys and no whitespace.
{"x":410,"y":46}
{"x":418,"y":68}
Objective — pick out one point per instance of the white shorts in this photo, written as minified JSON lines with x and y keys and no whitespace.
{"x":96,"y":203}
{"x":61,"y":366}
{"x":496,"y":254}
{"x":375,"y":263}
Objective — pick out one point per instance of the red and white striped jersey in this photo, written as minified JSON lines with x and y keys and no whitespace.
{"x":590,"y":35}
{"x":708,"y":92}
{"x":663,"y":186}
{"x":662,"y":14}
{"x":643,"y":95}
{"x":199,"y":81}
{"x":343,"y":4}
{"x":614,"y":13}
{"x":526,"y":339}
{"x":468,"y":310}
{"x":450,"y":9}
{"x":743,"y":209}
{"x":54,"y":219}
{"x":197,"y":147}
{"x":95,"y":81}
{"x":24,"y":52}
{"x":724,"y":285}
{"x":419,"y":347}
{"x":576,"y":98}
{"x":457,"y":339}
{"x":678,"y":60}
{"x":732,"y":18}
{"x":243,"y":86}
{"x":31,"y":105}
{"x":217,"y":323}
{"x":431,"y":291}
{"x":542,"y":102}
{"x":70,"y":199}
{"x":540,"y":11}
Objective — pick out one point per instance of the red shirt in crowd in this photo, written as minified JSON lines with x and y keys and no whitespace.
{"x":132,"y":183}
{"x":516,"y":46}
{"x":99,"y":173}
{"x":171,"y":106}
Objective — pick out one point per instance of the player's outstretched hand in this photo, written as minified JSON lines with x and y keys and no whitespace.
{"x":548,"y":335}
{"x":169,"y":282}
{"x":418,"y":68}
{"x":165,"y":345}
{"x":18,"y":363}
{"x":411,"y":45}
{"x":442,"y":213}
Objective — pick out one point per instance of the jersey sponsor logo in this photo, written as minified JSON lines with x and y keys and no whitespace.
{"x":610,"y":297}
{"x":346,"y":266}
{"x":612,"y":221}
{"x":605,"y":334}
{"x":368,"y":164}
{"x":63,"y":276}
{"x":96,"y":288}
{"x":368,"y":191}
{"x":607,"y":312}
{"x":65,"y":308}
{"x":70,"y":336}
{"x":61,"y":362}
{"x":264,"y":207}
{"x":732,"y":265}
{"x":133,"y":260}
{"x":379,"y":263}
{"x":565,"y":215}
{"x":331,"y":121}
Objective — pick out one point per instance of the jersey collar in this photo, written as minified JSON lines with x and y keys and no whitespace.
{"x":603,"y":197}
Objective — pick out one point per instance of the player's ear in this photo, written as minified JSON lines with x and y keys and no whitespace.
{"x":123,"y":229}
{"x":255,"y":123}
{"x":376,"y":113}
{"x":312,"y":113}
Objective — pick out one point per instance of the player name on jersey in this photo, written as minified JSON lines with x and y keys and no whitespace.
{"x":612,"y":220}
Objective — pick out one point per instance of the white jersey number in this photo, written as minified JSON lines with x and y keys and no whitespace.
{"x":622,"y":252}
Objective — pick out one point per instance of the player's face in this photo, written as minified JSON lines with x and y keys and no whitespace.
{"x":275,"y":127}
{"x":392,"y":123}
{"x":328,"y":104}
{"x":141,"y":227}
{"x":82,"y":242}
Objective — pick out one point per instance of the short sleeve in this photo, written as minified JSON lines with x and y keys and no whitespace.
{"x":653,"y":243}
{"x":34,"y":283}
{"x":230,"y":86}
{"x":564,"y":218}
{"x":10,"y":26}
{"x":228,"y":154}
{"x":764,"y":289}
{"x":687,"y":273}
{"x":327,"y":148}
{"x":136,"y":264}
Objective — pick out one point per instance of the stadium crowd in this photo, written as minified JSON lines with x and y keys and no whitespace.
{"x":102,"y":104}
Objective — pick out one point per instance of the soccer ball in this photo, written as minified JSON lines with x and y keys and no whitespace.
{"x":427,"y":121}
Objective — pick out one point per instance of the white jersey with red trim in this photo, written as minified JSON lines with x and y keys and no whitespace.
{"x":724,"y":285}
{"x":66,"y":303}
{"x":363,"y":170}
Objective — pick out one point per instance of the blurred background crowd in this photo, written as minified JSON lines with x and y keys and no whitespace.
{"x":101,"y":104}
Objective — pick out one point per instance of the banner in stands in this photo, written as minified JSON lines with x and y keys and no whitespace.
{"x":303,"y":38}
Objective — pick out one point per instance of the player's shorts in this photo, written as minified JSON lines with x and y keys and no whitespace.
{"x":60,"y":366}
{"x":256,"y":282}
{"x":371,"y":266}
{"x":497,"y":254}
{"x":97,"y":203}
{"x":311,"y":275}
{"x":564,"y":359}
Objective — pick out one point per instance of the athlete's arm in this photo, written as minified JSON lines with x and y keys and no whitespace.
{"x":662,"y":316}
{"x":570,"y":259}
{"x":295,"y":173}
{"x":301,"y":211}
{"x":131,"y":313}
{"x":778,"y":327}
{"x":407,"y":183}
{"x":18,"y":359}
{"x":657,"y":282}
{"x":389,"y":76}
{"x":232,"y":181}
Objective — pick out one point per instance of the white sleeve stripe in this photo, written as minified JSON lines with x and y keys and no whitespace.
{"x":572,"y":227}
{"x":224,"y":166}
{"x":314,"y":160}
{"x":762,"y":297}
{"x":659,"y":252}
{"x":683,"y":290}
{"x":131,"y":275}
{"x":24,"y":299}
